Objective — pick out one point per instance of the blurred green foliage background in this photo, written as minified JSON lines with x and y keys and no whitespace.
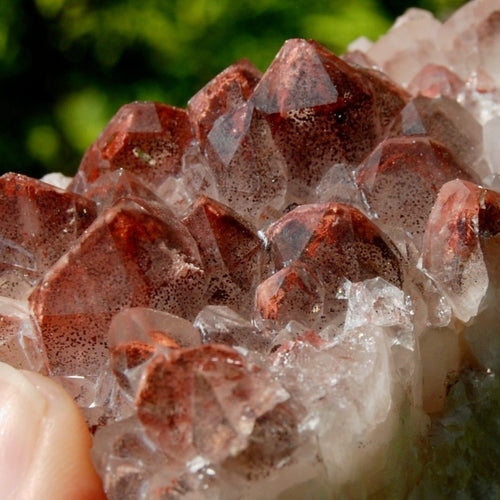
{"x":66,"y":66}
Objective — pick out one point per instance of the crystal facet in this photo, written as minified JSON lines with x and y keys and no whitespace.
{"x":204,"y":401}
{"x":145,"y":138}
{"x":321,"y":110}
{"x":230,"y":250}
{"x":291,"y":289}
{"x":400,"y":180}
{"x":229,"y":89}
{"x":39,"y":224}
{"x":135,"y":254}
{"x":338,"y":242}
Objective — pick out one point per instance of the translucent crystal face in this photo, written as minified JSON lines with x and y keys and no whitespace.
{"x":270,"y":294}
{"x":135,"y":254}
{"x":203,"y":402}
{"x":145,"y":138}
{"x":337,"y":242}
{"x":40,"y":223}
{"x":321,"y":110}
{"x":224,"y":93}
{"x":462,"y":226}
{"x":400,"y":180}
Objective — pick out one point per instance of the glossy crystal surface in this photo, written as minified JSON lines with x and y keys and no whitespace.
{"x":277,"y":292}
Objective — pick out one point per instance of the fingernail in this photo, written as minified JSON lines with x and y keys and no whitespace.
{"x":22,"y":409}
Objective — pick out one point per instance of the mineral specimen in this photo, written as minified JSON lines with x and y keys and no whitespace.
{"x":271,"y":294}
{"x":400,"y":180}
{"x":40,"y":223}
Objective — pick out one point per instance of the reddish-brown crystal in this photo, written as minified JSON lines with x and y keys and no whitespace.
{"x":389,"y":97}
{"x":135,"y":254}
{"x":249,"y":169}
{"x":230,"y":250}
{"x":136,"y":334}
{"x":224,"y":93}
{"x":401,"y":178}
{"x":338,"y":242}
{"x":292,"y":293}
{"x":147,"y":139}
{"x":447,"y":122}
{"x":203,"y":401}
{"x":126,"y":357}
{"x":321,"y":110}
{"x":266,"y":344}
{"x":39,"y":224}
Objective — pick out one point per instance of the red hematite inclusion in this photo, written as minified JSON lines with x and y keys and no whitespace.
{"x":39,"y":224}
{"x":256,"y":297}
{"x":321,"y":110}
{"x":337,"y":242}
{"x":145,"y":138}
{"x":293,"y":292}
{"x":231,"y":252}
{"x":204,"y":400}
{"x":135,"y":254}
{"x":401,"y":178}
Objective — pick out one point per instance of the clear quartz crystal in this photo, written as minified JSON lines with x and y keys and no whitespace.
{"x":221,"y":324}
{"x":338,"y":184}
{"x":408,"y":45}
{"x":491,"y":132}
{"x":379,"y":303}
{"x":20,"y":342}
{"x":57,"y":179}
{"x":195,"y":179}
{"x":273,"y":293}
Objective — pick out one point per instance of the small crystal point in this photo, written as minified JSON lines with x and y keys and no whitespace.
{"x":292,"y":293}
{"x":136,"y":334}
{"x":204,"y":401}
{"x":146,"y":138}
{"x":462,"y":219}
{"x":286,"y":86}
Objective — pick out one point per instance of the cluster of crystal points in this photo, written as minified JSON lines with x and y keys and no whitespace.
{"x":266,"y":295}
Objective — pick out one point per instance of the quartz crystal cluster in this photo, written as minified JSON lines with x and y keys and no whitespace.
{"x":270,"y":293}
